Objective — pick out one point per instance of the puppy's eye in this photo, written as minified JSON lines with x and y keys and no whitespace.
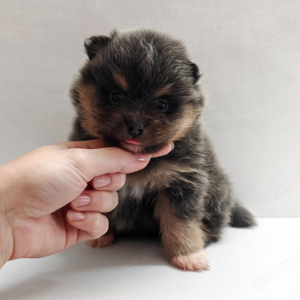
{"x":162,"y":105}
{"x":116,"y":97}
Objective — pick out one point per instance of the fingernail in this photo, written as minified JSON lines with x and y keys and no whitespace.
{"x":76,"y":216}
{"x":101,"y":181}
{"x":144,"y":157}
{"x":82,"y":200}
{"x":173,"y":146}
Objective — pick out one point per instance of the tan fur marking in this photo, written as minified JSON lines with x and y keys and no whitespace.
{"x":157,"y":178}
{"x":178,"y":237}
{"x":187,"y":122}
{"x":167,"y":172}
{"x":121,"y":81}
{"x":87,"y":98}
{"x":198,"y":261}
{"x":163,"y":91}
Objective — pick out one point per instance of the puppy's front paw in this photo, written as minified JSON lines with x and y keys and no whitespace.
{"x":198,"y":261}
{"x":103,"y":241}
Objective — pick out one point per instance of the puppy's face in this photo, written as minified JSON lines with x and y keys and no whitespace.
{"x":138,"y":90}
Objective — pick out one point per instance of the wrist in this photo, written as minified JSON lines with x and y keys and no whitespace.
{"x":6,"y":242}
{"x":6,"y":237}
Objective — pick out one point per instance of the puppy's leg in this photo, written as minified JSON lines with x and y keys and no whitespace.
{"x":183,"y":240}
{"x":105,"y":240}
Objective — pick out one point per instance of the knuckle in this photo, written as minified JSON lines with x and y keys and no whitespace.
{"x":105,"y":224}
{"x":109,"y":201}
{"x":100,"y":226}
{"x":94,"y":227}
{"x":115,"y":199}
{"x":76,"y":157}
{"x":104,"y":201}
{"x":76,"y":153}
{"x":122,"y":180}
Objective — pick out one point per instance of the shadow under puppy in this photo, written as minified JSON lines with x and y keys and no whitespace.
{"x":139,"y":91}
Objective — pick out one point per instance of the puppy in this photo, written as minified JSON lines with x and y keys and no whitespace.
{"x":140,"y":91}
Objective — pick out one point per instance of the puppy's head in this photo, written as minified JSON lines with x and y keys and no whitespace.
{"x":138,"y":90}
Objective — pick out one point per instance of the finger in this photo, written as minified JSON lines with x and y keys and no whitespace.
{"x":98,"y":201}
{"x":109,"y":182}
{"x":90,"y":144}
{"x":90,"y":163}
{"x":91,"y":225}
{"x":94,"y":162}
{"x":164,"y":150}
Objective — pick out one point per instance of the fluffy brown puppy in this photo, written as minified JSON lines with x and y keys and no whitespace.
{"x":140,"y":91}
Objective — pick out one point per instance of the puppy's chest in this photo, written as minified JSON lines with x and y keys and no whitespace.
{"x":140,"y":184}
{"x":138,"y":195}
{"x":155,"y":178}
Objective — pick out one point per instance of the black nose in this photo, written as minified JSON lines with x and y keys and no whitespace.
{"x":135,"y":128}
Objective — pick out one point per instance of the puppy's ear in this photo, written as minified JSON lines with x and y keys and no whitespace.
{"x":195,"y":72}
{"x":94,"y":44}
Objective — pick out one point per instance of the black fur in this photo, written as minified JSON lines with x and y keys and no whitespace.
{"x":240,"y":217}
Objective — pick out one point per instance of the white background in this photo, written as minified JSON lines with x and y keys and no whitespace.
{"x":248,"y":51}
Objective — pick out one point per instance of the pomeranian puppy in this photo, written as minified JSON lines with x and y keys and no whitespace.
{"x":140,"y":91}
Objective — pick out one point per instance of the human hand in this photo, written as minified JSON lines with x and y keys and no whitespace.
{"x":40,"y":211}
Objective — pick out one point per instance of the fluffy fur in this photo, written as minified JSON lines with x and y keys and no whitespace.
{"x":145,"y":78}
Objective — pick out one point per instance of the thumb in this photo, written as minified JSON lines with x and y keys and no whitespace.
{"x":92,"y":159}
{"x":95,"y":162}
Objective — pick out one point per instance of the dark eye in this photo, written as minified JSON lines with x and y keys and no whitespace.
{"x":116,"y":97}
{"x":162,"y":105}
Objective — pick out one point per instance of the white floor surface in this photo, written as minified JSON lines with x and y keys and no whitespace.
{"x":259,"y":263}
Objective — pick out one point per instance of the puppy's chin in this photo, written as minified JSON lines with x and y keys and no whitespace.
{"x":141,"y":148}
{"x":132,"y":148}
{"x":144,"y":147}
